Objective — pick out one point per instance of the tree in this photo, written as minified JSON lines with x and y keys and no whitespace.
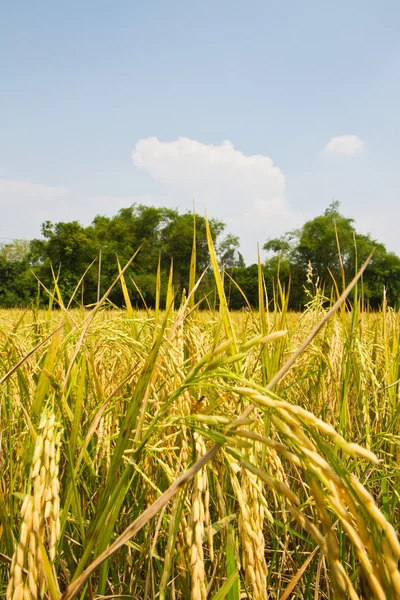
{"x":228,"y":252}
{"x":18,"y":285}
{"x":245,"y":278}
{"x":318,"y":243}
{"x":67,"y":248}
{"x":15,"y":250}
{"x":158,"y":233}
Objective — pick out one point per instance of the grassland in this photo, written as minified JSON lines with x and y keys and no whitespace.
{"x":179,"y":455}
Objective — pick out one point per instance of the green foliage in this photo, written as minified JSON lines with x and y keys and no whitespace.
{"x":17,"y":284}
{"x":67,"y":250}
{"x":245,"y":278}
{"x":329,"y":243}
{"x":334,"y":249}
{"x":15,"y":250}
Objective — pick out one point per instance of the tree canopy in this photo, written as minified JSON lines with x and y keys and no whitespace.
{"x":328,"y":244}
{"x":332,"y":247}
{"x":67,"y":249}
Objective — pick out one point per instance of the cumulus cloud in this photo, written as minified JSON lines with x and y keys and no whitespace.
{"x":247,"y":192}
{"x":345,"y":145}
{"x":219,"y":176}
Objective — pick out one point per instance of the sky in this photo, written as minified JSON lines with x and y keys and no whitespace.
{"x":261,"y":112}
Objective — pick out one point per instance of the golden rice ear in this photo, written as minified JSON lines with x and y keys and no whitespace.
{"x":31,"y":571}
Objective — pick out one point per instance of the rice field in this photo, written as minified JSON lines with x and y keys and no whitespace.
{"x":193,"y":454}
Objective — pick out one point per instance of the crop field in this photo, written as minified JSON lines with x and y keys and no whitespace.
{"x":190,"y":454}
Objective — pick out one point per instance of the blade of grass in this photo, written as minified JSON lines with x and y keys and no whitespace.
{"x":158,"y":294}
{"x":48,"y":573}
{"x":221,"y":293}
{"x":289,"y":589}
{"x":125,"y":292}
{"x":227,"y":587}
{"x":192,"y":271}
{"x":169,"y":304}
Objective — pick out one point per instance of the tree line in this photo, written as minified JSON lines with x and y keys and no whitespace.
{"x":66,"y":250}
{"x":325,"y":252}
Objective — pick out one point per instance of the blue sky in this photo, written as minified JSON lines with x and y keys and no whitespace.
{"x":234,"y":104}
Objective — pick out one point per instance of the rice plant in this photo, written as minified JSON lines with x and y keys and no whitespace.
{"x":188,"y":453}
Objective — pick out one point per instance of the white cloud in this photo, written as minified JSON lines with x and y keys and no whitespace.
{"x":219,"y":176}
{"x":246,"y":191}
{"x":345,"y":145}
